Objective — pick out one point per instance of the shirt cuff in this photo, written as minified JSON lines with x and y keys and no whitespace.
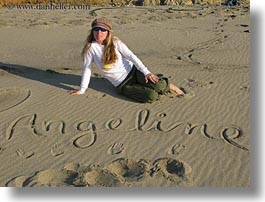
{"x":146,"y":71}
{"x":82,"y":90}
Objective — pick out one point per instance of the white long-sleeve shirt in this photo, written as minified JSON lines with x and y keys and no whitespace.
{"x":116,"y":72}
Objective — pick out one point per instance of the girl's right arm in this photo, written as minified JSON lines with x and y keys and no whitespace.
{"x":85,"y":76}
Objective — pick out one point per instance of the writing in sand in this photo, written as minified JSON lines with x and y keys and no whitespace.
{"x":87,"y":132}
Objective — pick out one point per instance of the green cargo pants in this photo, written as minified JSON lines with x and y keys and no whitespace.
{"x":135,"y":87}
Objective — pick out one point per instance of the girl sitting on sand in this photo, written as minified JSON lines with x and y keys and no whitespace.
{"x":120,"y":66}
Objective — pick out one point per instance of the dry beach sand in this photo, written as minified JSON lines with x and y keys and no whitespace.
{"x":49,"y":138}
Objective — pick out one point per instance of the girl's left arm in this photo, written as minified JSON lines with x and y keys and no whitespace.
{"x":128,"y":54}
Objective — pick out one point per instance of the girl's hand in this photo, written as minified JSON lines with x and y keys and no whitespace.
{"x":74,"y":92}
{"x":151,"y":77}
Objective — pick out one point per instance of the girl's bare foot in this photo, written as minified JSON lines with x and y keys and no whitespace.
{"x":175,"y":89}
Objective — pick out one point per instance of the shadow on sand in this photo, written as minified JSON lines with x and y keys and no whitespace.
{"x":61,"y":79}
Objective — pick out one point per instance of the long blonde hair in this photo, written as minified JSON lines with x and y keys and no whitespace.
{"x":109,"y":54}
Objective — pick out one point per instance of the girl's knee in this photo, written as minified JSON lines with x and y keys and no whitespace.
{"x":151,"y":96}
{"x":162,"y":86}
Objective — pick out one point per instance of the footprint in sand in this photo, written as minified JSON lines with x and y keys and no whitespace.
{"x":175,"y":171}
{"x":47,"y":178}
{"x":51,"y":178}
{"x":116,"y":148}
{"x":129,"y":170}
{"x":17,"y":181}
{"x":24,"y":154}
{"x":120,"y":172}
{"x":101,"y":177}
{"x":72,"y":166}
{"x":12,"y":97}
{"x":93,"y":176}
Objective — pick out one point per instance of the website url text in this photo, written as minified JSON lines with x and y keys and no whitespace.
{"x":50,"y":6}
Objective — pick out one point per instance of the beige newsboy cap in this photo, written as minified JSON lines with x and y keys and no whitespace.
{"x":101,"y":22}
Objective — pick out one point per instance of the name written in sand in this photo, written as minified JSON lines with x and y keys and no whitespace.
{"x":87,"y":132}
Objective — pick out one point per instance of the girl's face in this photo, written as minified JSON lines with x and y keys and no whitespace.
{"x":100,"y":34}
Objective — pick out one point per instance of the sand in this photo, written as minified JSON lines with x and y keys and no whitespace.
{"x":50,"y":138}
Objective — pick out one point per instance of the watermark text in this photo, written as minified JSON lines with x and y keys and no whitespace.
{"x":49,"y":6}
